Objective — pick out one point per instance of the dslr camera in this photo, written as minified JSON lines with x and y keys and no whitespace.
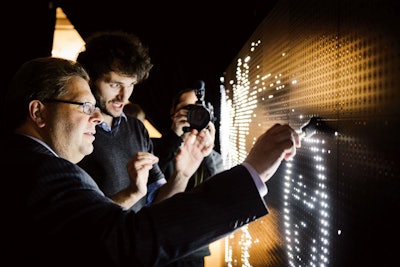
{"x":199,"y":115}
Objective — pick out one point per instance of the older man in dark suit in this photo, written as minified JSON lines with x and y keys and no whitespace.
{"x":54,"y":213}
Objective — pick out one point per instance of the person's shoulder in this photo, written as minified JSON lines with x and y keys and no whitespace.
{"x":134,"y":123}
{"x":133,"y":120}
{"x":136,"y":126}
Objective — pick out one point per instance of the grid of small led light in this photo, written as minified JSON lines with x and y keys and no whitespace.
{"x":238,"y":111}
{"x":315,"y":202}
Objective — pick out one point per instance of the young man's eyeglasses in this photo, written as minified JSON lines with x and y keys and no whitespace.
{"x":87,"y":107}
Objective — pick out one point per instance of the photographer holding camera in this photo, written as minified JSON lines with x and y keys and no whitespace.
{"x":188,"y":112}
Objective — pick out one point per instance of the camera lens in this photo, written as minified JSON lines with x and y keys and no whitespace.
{"x":198,"y":117}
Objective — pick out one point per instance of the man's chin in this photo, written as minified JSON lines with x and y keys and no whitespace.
{"x":117,"y":114}
{"x":88,"y":150}
{"x":113,"y":113}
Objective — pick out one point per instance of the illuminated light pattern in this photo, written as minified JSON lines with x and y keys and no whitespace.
{"x":245,"y":243}
{"x":236,"y":118}
{"x":333,"y":204}
{"x":248,"y":107}
{"x":238,"y":113}
{"x":304,"y":246}
{"x":235,"y":122}
{"x":239,"y":109}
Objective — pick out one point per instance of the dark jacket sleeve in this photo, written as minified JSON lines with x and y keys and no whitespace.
{"x":215,"y":208}
{"x":60,"y":216}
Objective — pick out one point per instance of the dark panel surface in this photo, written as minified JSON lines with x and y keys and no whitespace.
{"x":336,"y":203}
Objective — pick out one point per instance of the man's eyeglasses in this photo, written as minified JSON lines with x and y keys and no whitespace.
{"x":87,"y":107}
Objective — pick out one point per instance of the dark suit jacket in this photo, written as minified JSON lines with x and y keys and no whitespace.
{"x":55,"y":215}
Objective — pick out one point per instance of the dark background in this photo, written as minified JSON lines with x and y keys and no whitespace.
{"x":187,"y":41}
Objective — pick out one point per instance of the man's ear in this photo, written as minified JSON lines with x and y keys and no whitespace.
{"x":37,"y":112}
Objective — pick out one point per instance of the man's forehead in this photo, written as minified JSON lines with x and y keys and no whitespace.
{"x":79,"y":88}
{"x":188,"y":97}
{"x":113,"y":76}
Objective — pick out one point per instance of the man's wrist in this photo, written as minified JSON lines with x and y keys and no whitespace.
{"x":261,"y":186}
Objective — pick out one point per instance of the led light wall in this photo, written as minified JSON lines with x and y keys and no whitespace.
{"x":337,"y":202}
